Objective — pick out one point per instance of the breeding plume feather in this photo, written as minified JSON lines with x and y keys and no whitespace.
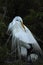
{"x":22,"y":37}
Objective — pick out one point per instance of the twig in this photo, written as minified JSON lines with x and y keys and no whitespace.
{"x":8,"y":39}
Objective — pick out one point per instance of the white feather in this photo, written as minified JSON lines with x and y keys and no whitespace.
{"x":18,"y":33}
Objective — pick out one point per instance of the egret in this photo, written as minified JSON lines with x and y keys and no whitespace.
{"x":23,"y":38}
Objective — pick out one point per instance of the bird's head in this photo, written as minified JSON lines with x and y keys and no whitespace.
{"x":19,"y":19}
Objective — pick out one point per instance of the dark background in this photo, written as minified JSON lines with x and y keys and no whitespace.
{"x":32,"y":13}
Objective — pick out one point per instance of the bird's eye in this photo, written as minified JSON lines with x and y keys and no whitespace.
{"x":17,"y":20}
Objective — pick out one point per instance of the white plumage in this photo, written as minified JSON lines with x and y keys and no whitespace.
{"x":22,"y":36}
{"x":33,"y":57}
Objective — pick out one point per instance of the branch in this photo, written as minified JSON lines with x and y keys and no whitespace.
{"x":8,"y":40}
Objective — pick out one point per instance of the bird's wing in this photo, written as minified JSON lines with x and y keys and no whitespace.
{"x":30,"y":36}
{"x":32,"y":40}
{"x":27,"y":37}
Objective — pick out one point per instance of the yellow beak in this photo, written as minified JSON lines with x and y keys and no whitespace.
{"x":22,"y":25}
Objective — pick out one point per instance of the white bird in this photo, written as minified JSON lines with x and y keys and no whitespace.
{"x":22,"y":36}
{"x":33,"y":57}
